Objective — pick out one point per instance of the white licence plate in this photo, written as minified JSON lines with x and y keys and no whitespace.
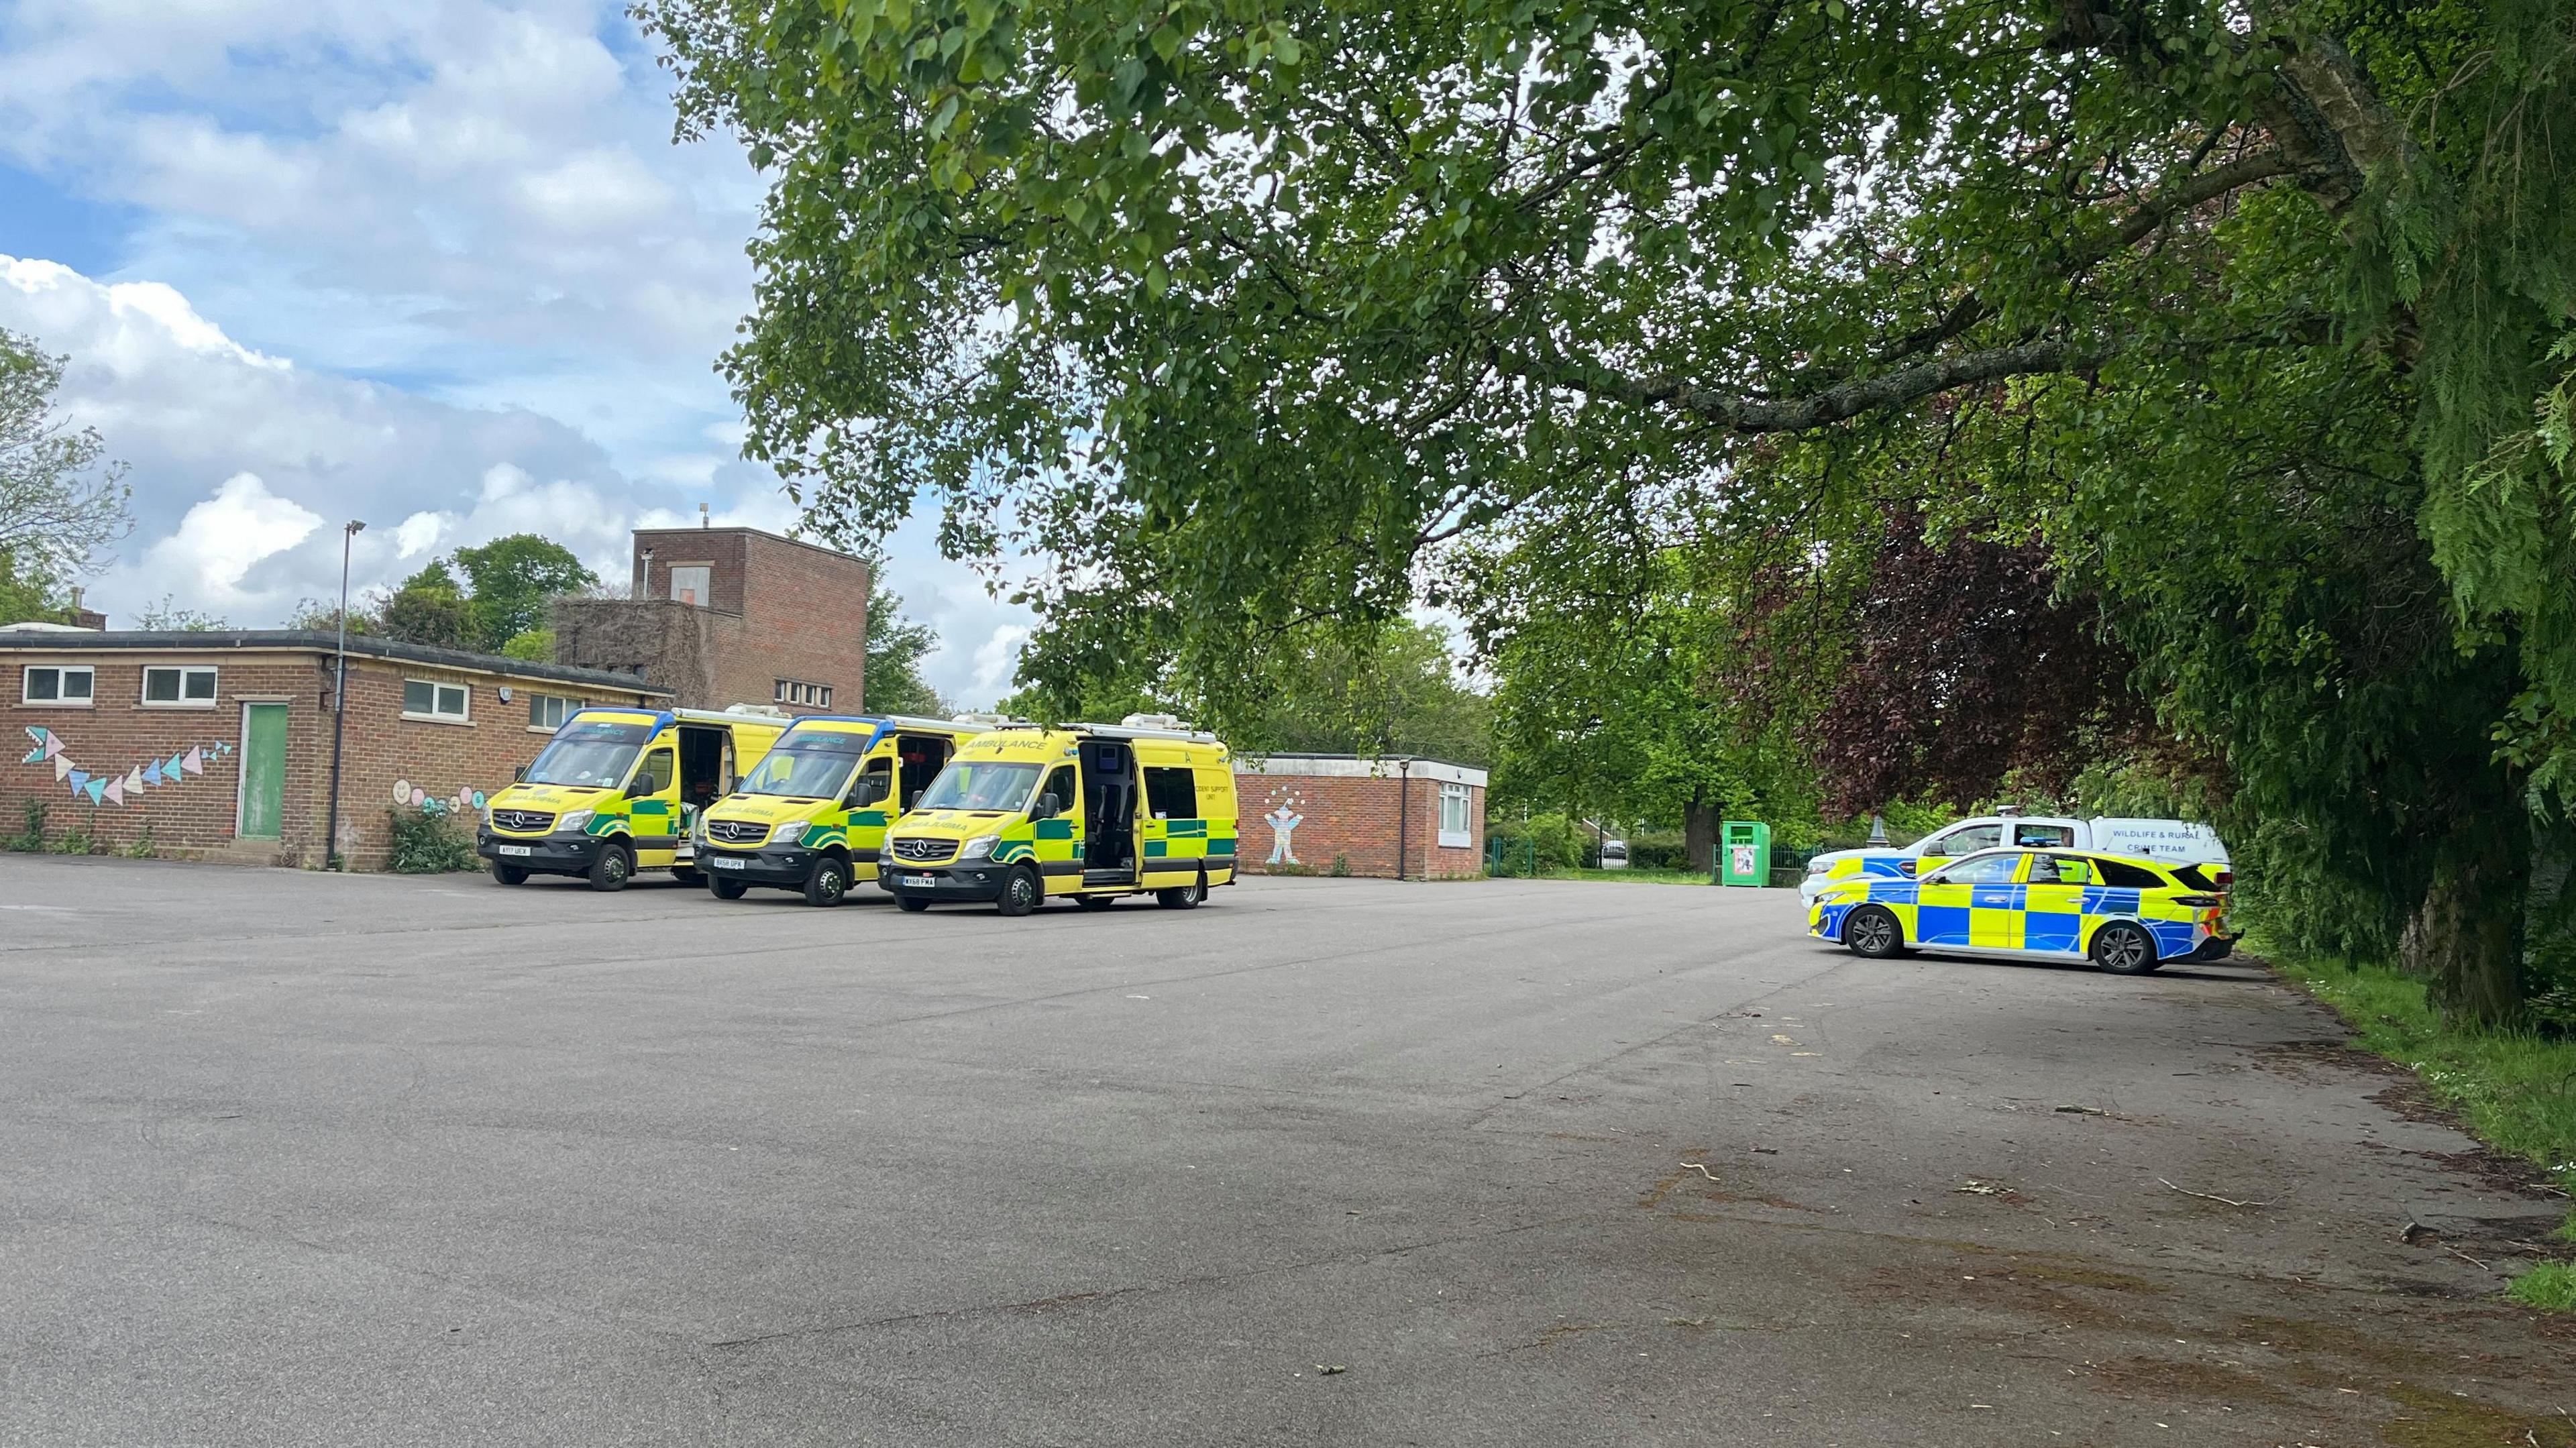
{"x":918,"y":882}
{"x":515,"y":849}
{"x":719,"y":862}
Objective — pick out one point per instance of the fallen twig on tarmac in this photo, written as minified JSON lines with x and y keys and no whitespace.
{"x":1702,"y":1170}
{"x":1976,"y":1188}
{"x":2465,"y":1257}
{"x":2206,"y":1197}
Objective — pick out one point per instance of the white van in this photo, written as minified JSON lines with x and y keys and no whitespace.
{"x":2171,"y":842}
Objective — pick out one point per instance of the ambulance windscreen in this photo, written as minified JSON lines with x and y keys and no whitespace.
{"x":589,"y":754}
{"x":807,"y":766}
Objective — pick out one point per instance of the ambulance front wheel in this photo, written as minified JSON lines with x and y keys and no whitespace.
{"x":829,"y":881}
{"x":910,"y":905}
{"x":509,"y":874}
{"x":1022,"y":892}
{"x":2124,"y":949}
{"x":614,"y":867}
{"x":724,"y":889}
{"x":1873,"y":931}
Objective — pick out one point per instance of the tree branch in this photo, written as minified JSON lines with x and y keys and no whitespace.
{"x":1838,"y":403}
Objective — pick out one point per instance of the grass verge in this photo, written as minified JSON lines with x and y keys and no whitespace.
{"x":2516,"y":1089}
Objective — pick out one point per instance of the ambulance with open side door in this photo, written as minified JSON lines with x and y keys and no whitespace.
{"x":618,"y":790}
{"x":1086,"y":812}
{"x":812,"y":818}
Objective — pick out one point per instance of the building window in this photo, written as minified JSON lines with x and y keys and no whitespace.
{"x":790,"y":691}
{"x":179,"y":688}
{"x":429,"y":699}
{"x":70,"y":685}
{"x":689,"y":585}
{"x":1454,"y":834}
{"x":547,"y":711}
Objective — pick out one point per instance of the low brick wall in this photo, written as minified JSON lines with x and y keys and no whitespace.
{"x":1315,"y":815}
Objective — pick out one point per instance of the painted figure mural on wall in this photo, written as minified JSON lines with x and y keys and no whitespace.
{"x":109,"y":787}
{"x":1283,"y":820}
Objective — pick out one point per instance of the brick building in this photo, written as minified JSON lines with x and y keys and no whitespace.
{"x":218,"y":745}
{"x":1323,"y":814}
{"x":722,"y":616}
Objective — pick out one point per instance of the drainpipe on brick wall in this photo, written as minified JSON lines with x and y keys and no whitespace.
{"x":339,"y":703}
{"x":1403,"y":814}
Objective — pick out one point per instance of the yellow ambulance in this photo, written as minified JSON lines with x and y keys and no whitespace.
{"x":618,"y":790}
{"x":1085,"y":812}
{"x":813,"y":816}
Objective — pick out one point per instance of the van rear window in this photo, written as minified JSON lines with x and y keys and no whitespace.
{"x":2200,"y":877}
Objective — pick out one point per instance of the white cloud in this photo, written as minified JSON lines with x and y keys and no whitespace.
{"x":223,"y":538}
{"x":245,"y":465}
{"x":464,"y":223}
{"x":998,"y":657}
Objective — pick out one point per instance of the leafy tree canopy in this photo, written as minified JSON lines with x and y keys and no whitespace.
{"x":512,"y":578}
{"x":896,"y":646}
{"x":430,"y":608}
{"x":61,"y":500}
{"x":1258,"y":313}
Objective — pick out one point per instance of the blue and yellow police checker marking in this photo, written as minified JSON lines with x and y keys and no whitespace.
{"x":616,"y":791}
{"x":822,"y":802}
{"x":1021,"y":800}
{"x":2039,"y":904}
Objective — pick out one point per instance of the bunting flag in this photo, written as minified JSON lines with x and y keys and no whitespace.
{"x":117,"y":787}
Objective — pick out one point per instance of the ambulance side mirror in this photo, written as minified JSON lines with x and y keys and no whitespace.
{"x":1044,"y":809}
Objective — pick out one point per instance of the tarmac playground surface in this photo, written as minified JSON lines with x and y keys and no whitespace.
{"x":301,"y":1159}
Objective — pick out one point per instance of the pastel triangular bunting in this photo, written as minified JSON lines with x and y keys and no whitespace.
{"x":97,"y":790}
{"x":79,"y":778}
{"x":134,"y":780}
{"x":152,"y":772}
{"x":172,"y":768}
{"x":116,"y":791}
{"x":62,"y":767}
{"x":194,"y":759}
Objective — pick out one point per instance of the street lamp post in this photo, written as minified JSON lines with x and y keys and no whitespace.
{"x":339,"y":702}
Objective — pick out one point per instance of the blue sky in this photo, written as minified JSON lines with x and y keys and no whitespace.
{"x":435,"y":265}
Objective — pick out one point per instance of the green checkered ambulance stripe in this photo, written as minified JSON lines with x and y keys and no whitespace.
{"x":1013,"y":851}
{"x":1185,"y":829}
{"x":819,"y":837}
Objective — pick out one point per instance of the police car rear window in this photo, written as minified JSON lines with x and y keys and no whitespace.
{"x":2196,"y":876}
{"x":2129,"y":877}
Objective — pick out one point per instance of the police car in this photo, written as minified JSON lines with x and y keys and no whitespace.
{"x":2126,"y":914}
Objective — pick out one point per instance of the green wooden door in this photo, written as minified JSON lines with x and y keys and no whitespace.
{"x":263,"y":756}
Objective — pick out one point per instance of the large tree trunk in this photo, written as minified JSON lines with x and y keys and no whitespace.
{"x":2465,"y":938}
{"x":1699,"y":833}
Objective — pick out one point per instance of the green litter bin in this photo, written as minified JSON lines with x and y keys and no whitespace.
{"x":1744,"y":856}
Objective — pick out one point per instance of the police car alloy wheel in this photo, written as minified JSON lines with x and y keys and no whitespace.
{"x":2124,"y":949}
{"x":1873,"y":931}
